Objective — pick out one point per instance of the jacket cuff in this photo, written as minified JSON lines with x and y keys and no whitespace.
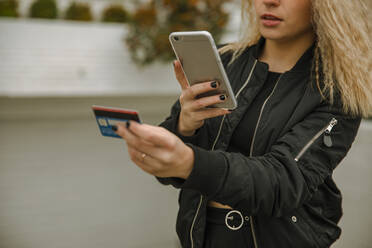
{"x":189,"y":139}
{"x":172,"y":125}
{"x":174,"y":181}
{"x":209,"y":172}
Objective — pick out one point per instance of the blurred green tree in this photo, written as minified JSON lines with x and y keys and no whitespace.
{"x":9,"y":8}
{"x":115,"y":13}
{"x":79,"y":12}
{"x":44,"y":9}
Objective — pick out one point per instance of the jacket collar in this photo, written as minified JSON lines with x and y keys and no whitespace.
{"x":302,"y":65}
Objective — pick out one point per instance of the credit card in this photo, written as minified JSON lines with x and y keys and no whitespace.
{"x":106,"y":117}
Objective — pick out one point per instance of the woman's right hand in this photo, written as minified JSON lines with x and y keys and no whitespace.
{"x":193,"y":110}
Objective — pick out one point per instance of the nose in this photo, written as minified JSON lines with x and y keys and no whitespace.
{"x":271,"y":3}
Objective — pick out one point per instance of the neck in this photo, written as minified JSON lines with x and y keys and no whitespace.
{"x":281,"y":56}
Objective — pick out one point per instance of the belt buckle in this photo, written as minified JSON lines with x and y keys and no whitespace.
{"x":231,"y":218}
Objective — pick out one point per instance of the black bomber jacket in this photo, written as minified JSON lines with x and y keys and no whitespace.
{"x":285,"y":184}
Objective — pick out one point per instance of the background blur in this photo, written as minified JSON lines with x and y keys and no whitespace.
{"x":62,"y":184}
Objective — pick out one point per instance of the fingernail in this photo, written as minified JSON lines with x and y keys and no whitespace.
{"x":127,"y":124}
{"x":222,"y":97}
{"x":114,"y":128}
{"x":214,"y":84}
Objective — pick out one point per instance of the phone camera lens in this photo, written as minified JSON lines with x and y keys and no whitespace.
{"x":176,"y":38}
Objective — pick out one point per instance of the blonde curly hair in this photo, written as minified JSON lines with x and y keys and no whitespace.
{"x":343,"y":46}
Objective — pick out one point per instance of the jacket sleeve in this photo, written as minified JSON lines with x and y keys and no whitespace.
{"x":171,"y":123}
{"x":275,"y":183}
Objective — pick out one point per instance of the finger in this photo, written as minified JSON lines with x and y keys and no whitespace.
{"x":180,"y":75}
{"x":125,"y":133}
{"x":157,"y":136}
{"x":211,"y":113}
{"x":146,"y":163}
{"x":136,"y":141}
{"x":140,"y":143}
{"x":206,"y":101}
{"x":199,"y":88}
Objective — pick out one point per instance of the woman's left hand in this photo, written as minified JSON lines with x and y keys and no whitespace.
{"x":156,"y":150}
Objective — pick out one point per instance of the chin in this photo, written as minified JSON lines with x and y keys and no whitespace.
{"x":282,"y":34}
{"x":272,"y":34}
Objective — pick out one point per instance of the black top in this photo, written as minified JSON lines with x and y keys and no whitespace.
{"x":241,"y":139}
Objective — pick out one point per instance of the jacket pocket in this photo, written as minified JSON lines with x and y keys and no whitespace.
{"x":305,"y":221}
{"x":325,"y":232}
{"x":327,"y":138}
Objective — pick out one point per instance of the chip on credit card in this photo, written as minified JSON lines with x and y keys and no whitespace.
{"x":108,"y":116}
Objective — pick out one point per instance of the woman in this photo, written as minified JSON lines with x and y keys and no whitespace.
{"x":261,"y":175}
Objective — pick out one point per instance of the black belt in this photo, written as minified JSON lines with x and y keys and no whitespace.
{"x":233,"y":219}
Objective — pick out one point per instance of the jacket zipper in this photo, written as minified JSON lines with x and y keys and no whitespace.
{"x":259,"y":117}
{"x":214,"y":144}
{"x":327,"y":129}
{"x":251,"y":151}
{"x":236,"y":96}
{"x":193,"y":221}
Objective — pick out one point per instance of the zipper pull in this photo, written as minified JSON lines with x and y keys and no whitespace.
{"x":327,"y":133}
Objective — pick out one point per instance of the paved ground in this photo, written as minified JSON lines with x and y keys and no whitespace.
{"x":62,"y":185}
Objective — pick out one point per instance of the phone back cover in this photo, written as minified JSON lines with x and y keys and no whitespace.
{"x":200,"y":63}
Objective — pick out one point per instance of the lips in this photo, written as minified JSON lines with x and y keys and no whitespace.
{"x":270,"y":17}
{"x":270,"y":20}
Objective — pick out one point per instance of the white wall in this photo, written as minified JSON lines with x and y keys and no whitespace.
{"x":39,"y":57}
{"x":73,"y":58}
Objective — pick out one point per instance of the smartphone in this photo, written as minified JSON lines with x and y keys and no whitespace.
{"x":106,"y":117}
{"x":201,"y":62}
